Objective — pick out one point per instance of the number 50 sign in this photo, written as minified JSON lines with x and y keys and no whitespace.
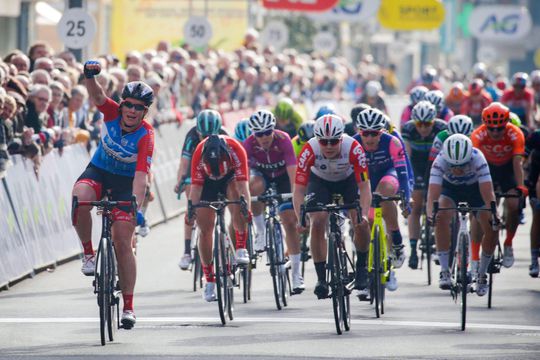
{"x":76,"y":28}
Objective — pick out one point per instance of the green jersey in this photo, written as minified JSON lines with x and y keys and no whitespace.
{"x":437,"y":144}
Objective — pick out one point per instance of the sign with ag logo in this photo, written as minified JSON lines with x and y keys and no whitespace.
{"x":411,"y":14}
{"x":197,"y":31}
{"x":351,"y":10}
{"x":276,"y":34}
{"x":500,"y":22}
{"x":76,"y":28}
{"x":300,"y":5}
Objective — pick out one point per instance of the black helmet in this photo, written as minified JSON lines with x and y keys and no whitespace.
{"x":216,"y":157}
{"x":140,"y":91}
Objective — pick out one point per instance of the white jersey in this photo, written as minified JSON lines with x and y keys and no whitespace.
{"x":475,"y":171}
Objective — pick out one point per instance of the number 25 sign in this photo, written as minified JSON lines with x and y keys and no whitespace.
{"x":300,"y":5}
{"x":76,"y":28}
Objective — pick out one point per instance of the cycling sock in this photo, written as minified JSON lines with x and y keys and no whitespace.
{"x":320,"y":268}
{"x":361,"y":258}
{"x":88,"y":249}
{"x":396,"y":237}
{"x":534,"y":256}
{"x":295,"y":263}
{"x":258,"y":220}
{"x":413,"y":244}
{"x":509,"y":238}
{"x":128,"y":301}
{"x":208,"y":271}
{"x":484,"y":263}
{"x":187,"y":246}
{"x":475,"y":249}
{"x":443,"y":260}
{"x":240,"y":239}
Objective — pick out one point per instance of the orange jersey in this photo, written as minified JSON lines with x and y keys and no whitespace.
{"x":499,"y":152}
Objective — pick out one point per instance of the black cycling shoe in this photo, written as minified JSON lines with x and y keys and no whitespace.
{"x":413,"y":260}
{"x":321,"y":290}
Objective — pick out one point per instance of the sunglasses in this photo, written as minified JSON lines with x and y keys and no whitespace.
{"x":495,"y":129}
{"x":372,"y":133}
{"x":264,"y":133}
{"x":423,"y":123}
{"x":130,"y":105}
{"x":331,"y":142}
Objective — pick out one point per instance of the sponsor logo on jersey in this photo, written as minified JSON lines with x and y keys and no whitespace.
{"x":303,"y":158}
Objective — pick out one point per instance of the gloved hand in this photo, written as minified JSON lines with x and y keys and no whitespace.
{"x":91,"y":68}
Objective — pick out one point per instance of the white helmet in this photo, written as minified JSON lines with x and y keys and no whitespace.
{"x":479,"y":69}
{"x":373,"y":88}
{"x":535,"y":77}
{"x":436,"y":97}
{"x":262,"y":120}
{"x":424,"y":111}
{"x":460,"y":124}
{"x":371,"y":119}
{"x":417,"y":93}
{"x":329,"y":127}
{"x":457,"y":149}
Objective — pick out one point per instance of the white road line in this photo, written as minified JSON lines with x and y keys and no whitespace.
{"x":195,"y":320}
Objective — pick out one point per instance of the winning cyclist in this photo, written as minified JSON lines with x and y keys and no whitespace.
{"x":418,"y":135}
{"x":120,"y":165}
{"x":219,"y":166}
{"x":333,"y":163}
{"x":460,"y":173}
{"x":272,"y":160}
{"x":387,"y":174}
{"x":208,"y":123}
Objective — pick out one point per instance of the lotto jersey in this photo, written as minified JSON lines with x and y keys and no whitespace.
{"x":499,"y":152}
{"x":119,"y":152}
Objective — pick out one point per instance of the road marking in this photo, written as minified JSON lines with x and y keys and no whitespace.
{"x":191,"y":320}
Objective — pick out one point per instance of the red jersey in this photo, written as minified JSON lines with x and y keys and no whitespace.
{"x":499,"y":152}
{"x":473,"y":105}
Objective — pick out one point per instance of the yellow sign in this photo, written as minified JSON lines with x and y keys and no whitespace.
{"x":537,"y":58}
{"x":411,"y":14}
{"x":141,"y":24}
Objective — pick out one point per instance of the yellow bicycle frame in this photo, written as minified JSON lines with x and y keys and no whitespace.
{"x":378,"y":221}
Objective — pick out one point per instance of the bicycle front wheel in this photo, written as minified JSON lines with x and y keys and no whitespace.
{"x":377,"y":270}
{"x":336,"y":284}
{"x":272,"y":261}
{"x":102,"y":299}
{"x":427,"y":237}
{"x":464,"y":249}
{"x":111,"y":295}
{"x":197,"y":270}
{"x":220,"y":272}
{"x":282,"y":270}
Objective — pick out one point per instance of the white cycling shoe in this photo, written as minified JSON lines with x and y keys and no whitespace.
{"x":209,"y":293}
{"x":242,"y":257}
{"x":88,"y":265}
{"x":128,"y":319}
{"x":185,"y":261}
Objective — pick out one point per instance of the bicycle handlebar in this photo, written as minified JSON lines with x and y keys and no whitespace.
{"x":217,"y":205}
{"x":503,"y":195}
{"x":270,"y":197}
{"x":102,"y":204}
{"x":329,"y":208}
{"x":464,"y":208}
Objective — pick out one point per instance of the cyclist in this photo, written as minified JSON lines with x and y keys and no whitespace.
{"x":476,"y":101}
{"x":416,"y":95}
{"x":219,"y":166}
{"x":120,"y":165}
{"x":373,"y":96}
{"x":455,"y":97}
{"x":350,"y":127}
{"x":272,"y":160}
{"x":428,"y":78}
{"x":208,"y":122}
{"x":287,"y":119}
{"x":436,"y":97}
{"x":458,"y":124}
{"x":532,"y":151}
{"x":480,"y":72}
{"x":305,"y":132}
{"x":333,"y":163}
{"x":241,"y":130}
{"x":391,"y":129}
{"x":418,"y":135}
{"x":387,"y":174}
{"x":460,"y":173}
{"x":520,"y":98}
{"x":503,"y":145}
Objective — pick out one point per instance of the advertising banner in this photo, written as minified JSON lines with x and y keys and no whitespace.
{"x":300,"y":5}
{"x":411,"y":14}
{"x":500,"y":22}
{"x":350,"y":11}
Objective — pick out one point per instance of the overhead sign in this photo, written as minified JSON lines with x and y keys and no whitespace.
{"x":411,"y":14}
{"x":351,"y":11}
{"x":500,"y":22}
{"x":324,"y":42}
{"x":276,"y":34}
{"x":76,"y":28}
{"x":197,"y":31}
{"x":300,"y":5}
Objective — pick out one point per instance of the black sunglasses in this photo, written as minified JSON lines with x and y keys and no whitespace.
{"x":495,"y":129}
{"x":372,"y":133}
{"x":332,"y":142}
{"x":130,"y":105}
{"x":264,"y":133}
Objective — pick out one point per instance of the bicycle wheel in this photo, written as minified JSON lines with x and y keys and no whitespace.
{"x":304,"y":251}
{"x":427,"y":237}
{"x":197,"y":269}
{"x":101,"y":289}
{"x":345,"y":281}
{"x":271,"y":253}
{"x":231,"y":273}
{"x":464,"y":249}
{"x":220,"y":275}
{"x":336,"y":283}
{"x":494,"y":268}
{"x":280,"y":256}
{"x":377,"y":270}
{"x":111,"y":315}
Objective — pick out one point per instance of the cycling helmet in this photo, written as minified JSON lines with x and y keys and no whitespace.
{"x":262,"y":120}
{"x":208,"y":122}
{"x":357,"y":109}
{"x":417,"y":94}
{"x":373,"y":88}
{"x":428,"y":74}
{"x":495,"y":115}
{"x":306,"y":131}
{"x":216,"y":157}
{"x":424,"y":111}
{"x":140,"y":91}
{"x":329,"y":127}
{"x":514,"y":119}
{"x":284,"y":108}
{"x":535,"y":77}
{"x":242,"y":131}
{"x":520,"y":79}
{"x":371,"y":119}
{"x":460,"y":124}
{"x":457,"y":91}
{"x":436,"y":97}
{"x":476,"y":86}
{"x":325,"y":110}
{"x":479,"y":69}
{"x":457,"y":149}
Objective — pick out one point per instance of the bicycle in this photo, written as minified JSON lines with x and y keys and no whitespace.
{"x":105,"y":274}
{"x":379,"y":263}
{"x":275,"y":251}
{"x":460,"y":275}
{"x":339,"y":278}
{"x":426,"y":246}
{"x":224,"y":258}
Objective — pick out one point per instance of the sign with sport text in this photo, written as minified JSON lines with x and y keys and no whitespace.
{"x":500,"y":22}
{"x":411,"y":14}
{"x":300,"y":5}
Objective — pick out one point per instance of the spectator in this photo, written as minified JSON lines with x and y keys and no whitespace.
{"x":40,"y":76}
{"x":21,"y":62}
{"x":37,"y":104}
{"x":44,"y":63}
{"x":57,"y":104}
{"x":38,"y":50}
